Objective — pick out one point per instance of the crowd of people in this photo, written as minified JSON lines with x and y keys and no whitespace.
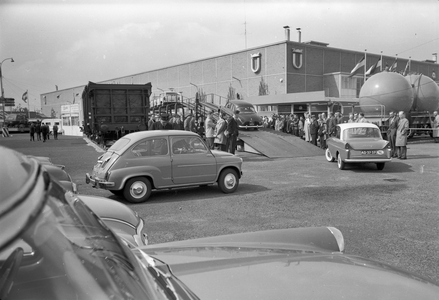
{"x":220,"y":134}
{"x":42,"y":131}
{"x":314,"y":129}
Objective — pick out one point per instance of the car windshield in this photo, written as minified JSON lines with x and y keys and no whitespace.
{"x":360,"y":133}
{"x":66,"y":252}
{"x":246,"y":109}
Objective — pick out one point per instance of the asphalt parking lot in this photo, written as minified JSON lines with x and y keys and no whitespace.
{"x":390,"y":216}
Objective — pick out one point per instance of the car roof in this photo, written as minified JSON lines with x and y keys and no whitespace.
{"x":240,"y":103}
{"x":139,"y":135}
{"x":357,"y":125}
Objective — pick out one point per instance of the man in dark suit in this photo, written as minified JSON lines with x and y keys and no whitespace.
{"x":391,"y":132}
{"x":314,"y":129}
{"x":44,"y":131}
{"x":233,"y":131}
{"x":163,"y":123}
{"x":331,"y":123}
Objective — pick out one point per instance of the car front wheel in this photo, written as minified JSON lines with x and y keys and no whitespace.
{"x":380,"y":166}
{"x":137,"y":190}
{"x":228,"y":181}
{"x":341,"y":164}
{"x":329,"y":156}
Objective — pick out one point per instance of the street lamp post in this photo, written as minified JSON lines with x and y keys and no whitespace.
{"x":2,"y":91}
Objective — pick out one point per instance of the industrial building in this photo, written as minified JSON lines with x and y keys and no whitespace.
{"x":283,"y":78}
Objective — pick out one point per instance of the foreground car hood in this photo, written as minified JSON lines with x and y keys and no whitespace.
{"x":251,"y":271}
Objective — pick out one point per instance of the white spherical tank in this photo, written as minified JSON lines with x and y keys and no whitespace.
{"x":425,"y":92}
{"x":389,"y":89}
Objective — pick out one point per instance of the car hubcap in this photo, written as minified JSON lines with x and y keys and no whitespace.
{"x":229,"y":181}
{"x":138,"y":189}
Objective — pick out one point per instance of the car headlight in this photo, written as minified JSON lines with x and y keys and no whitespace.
{"x":338,"y":237}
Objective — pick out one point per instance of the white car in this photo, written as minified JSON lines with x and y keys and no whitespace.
{"x":358,"y":143}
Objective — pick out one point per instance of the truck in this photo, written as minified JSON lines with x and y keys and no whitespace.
{"x":415,"y":94}
{"x":113,"y":110}
{"x":17,"y":122}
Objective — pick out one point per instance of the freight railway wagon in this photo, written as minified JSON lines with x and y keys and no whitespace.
{"x":113,"y":110}
{"x":417,"y":95}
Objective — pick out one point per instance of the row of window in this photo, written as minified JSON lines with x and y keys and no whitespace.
{"x":180,"y":145}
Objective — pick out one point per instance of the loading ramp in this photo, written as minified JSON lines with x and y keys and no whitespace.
{"x":274,"y":144}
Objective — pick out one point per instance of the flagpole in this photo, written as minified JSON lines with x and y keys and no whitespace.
{"x":365,"y":65}
{"x":381,"y":66}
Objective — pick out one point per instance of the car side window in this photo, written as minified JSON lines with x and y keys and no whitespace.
{"x":337,"y":132}
{"x":187,"y":145}
{"x":151,"y":147}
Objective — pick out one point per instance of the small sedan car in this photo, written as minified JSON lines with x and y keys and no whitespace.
{"x":248,"y":117}
{"x":358,"y":143}
{"x":162,"y":159}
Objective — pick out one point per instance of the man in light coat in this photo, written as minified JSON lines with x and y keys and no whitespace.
{"x":401,"y":135}
{"x":210,"y":130}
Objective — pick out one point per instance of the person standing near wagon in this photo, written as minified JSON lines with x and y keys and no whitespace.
{"x":44,"y":131}
{"x":32,"y":132}
{"x":210,"y":129}
{"x":220,"y":139}
{"x":233,"y":132}
{"x":391,"y":132}
{"x":163,"y":124}
{"x":401,"y":135}
{"x":314,"y":129}
{"x":38,"y":130}
{"x":55,"y":131}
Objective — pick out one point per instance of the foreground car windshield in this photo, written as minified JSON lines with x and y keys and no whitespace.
{"x":68,"y":253}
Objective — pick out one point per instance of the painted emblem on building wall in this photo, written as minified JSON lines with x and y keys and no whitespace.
{"x":255,"y":62}
{"x":297,"y":58}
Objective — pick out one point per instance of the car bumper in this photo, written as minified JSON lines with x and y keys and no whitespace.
{"x":367,"y":160}
{"x":98,"y":183}
{"x":249,"y":126}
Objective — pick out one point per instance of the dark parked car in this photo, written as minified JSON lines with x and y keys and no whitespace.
{"x":248,"y":117}
{"x":163,"y":159}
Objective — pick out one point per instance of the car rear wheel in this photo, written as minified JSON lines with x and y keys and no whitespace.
{"x":341,"y":164}
{"x":380,"y":166}
{"x":228,"y":181}
{"x":137,"y":190}
{"x":329,"y":156}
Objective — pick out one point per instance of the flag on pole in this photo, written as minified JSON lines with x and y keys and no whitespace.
{"x":360,"y":64}
{"x":24,"y":97}
{"x":392,"y":68}
{"x":380,"y":64}
{"x":374,"y":68}
{"x":407,"y":68}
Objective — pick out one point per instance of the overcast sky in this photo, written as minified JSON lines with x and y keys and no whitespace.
{"x":68,"y":43}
